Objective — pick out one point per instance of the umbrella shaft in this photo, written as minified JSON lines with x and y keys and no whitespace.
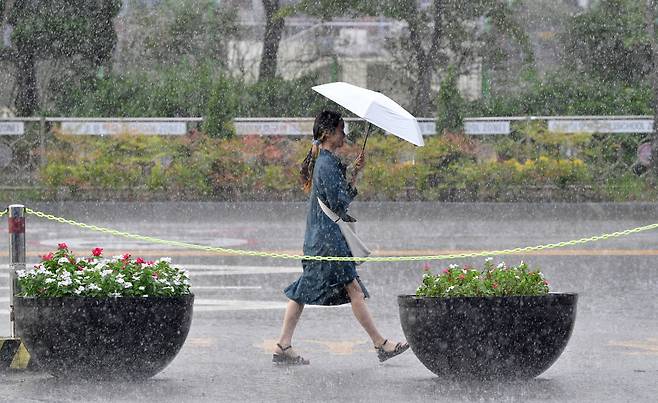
{"x":366,"y":139}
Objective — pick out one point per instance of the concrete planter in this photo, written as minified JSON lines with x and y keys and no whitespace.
{"x":515,"y":337}
{"x":104,"y":338}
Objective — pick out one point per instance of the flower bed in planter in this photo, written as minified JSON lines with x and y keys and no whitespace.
{"x":103,"y":318}
{"x":498,"y":323}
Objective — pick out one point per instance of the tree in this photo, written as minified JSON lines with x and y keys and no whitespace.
{"x":610,"y":42}
{"x":450,"y":104}
{"x":274,"y":24}
{"x":443,"y":33}
{"x":51,"y":29}
{"x":184,"y":30}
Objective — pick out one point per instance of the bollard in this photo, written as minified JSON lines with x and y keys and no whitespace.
{"x":13,"y":354}
{"x":16,"y":221}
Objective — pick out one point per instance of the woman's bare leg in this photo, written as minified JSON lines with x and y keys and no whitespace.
{"x":290,"y":319}
{"x":362,"y":313}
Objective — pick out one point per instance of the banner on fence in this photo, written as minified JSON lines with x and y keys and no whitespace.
{"x":12,"y":128}
{"x":601,"y":125}
{"x":107,"y":128}
{"x":487,"y":127}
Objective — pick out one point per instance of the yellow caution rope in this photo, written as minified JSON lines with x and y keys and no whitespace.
{"x":242,"y":252}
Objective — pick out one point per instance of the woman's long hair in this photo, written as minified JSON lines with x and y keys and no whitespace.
{"x":325,"y":122}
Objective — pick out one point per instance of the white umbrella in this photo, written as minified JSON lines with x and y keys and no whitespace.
{"x":375,"y":108}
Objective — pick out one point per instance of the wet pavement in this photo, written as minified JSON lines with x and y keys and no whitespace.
{"x":612,"y":355}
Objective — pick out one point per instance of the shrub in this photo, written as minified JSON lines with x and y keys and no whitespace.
{"x":62,"y":274}
{"x":466,"y":281}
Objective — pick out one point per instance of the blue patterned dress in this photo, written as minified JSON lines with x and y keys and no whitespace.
{"x":323,"y":282}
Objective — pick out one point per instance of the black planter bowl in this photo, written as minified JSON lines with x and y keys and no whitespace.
{"x":516,"y":337}
{"x":103,"y":338}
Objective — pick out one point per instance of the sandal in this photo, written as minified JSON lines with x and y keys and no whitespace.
{"x":286,"y":359}
{"x":384,"y":355}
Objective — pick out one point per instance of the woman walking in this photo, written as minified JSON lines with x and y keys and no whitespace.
{"x":328,"y":282}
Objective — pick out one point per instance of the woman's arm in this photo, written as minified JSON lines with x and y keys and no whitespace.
{"x":335,"y":188}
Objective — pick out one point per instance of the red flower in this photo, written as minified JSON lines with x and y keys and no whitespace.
{"x":126,"y":256}
{"x":495,"y":285}
{"x":139,"y":260}
{"x":97,"y":251}
{"x":461,"y":276}
{"x":446,"y":271}
{"x":62,"y":246}
{"x":545,"y":282}
{"x":47,"y":257}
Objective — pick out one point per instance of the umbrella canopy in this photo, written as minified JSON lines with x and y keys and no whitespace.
{"x":375,"y":108}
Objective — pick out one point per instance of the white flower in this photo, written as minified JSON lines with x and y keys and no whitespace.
{"x":141,"y":288}
{"x":127,"y":284}
{"x":80,"y":289}
{"x":165,"y":259}
{"x":62,"y":260}
{"x":450,"y":288}
{"x":501,"y":265}
{"x":453,"y":266}
{"x":93,"y":287}
{"x":115,"y":294}
{"x":489,"y":259}
{"x":49,"y":280}
{"x":120,"y":279}
{"x":21,"y":273}
{"x":64,"y":282}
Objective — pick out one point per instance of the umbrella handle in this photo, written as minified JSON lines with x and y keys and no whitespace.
{"x":366,"y":139}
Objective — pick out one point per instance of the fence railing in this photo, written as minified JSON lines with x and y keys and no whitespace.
{"x":303,"y":126}
{"x":23,"y":140}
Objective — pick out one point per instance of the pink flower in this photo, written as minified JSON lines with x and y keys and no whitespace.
{"x":154,"y":275}
{"x":461,"y":276}
{"x":426,"y":266}
{"x":47,"y":257}
{"x":446,"y":271}
{"x":139,"y":260}
{"x":494,"y":285}
{"x":126,"y":256}
{"x":545,"y":282}
{"x":150,"y":262}
{"x":97,"y":251}
{"x":62,"y":246}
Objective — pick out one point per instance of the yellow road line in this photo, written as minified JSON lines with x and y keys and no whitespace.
{"x":387,"y":252}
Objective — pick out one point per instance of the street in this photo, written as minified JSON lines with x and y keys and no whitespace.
{"x":612,"y":355}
